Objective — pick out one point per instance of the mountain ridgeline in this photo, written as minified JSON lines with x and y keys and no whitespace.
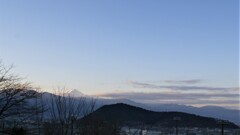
{"x":206,"y":111}
{"x":124,"y":114}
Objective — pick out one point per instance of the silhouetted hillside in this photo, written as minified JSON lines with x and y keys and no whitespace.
{"x":125,"y":114}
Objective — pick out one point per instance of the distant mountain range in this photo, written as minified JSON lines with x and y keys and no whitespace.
{"x":207,"y":111}
{"x":124,"y":114}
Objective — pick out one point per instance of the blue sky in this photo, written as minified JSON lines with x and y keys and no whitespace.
{"x":107,"y":46}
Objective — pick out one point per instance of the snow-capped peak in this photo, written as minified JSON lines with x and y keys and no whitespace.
{"x":76,"y":93}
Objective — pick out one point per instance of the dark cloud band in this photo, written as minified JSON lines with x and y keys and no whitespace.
{"x":192,"y":81}
{"x":179,"y":98}
{"x":179,"y":87}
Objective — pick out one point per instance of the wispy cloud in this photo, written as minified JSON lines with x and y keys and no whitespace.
{"x":179,"y":87}
{"x":191,"y":81}
{"x":178,"y":98}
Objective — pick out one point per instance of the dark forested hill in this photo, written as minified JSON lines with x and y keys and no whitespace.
{"x":125,"y":114}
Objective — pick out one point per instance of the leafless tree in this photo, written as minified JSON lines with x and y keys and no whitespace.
{"x":15,"y":96}
{"x":65,"y":110}
{"x":39,"y":109}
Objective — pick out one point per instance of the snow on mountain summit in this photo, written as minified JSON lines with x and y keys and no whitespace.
{"x":76,"y":93}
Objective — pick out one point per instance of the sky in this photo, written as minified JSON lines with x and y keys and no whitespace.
{"x":158,"y":51}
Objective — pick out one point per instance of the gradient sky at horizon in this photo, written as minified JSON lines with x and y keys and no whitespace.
{"x":99,"y":47}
